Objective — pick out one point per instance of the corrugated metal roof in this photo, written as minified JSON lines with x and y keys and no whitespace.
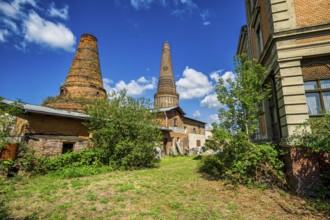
{"x":48,"y":111}
{"x":170,"y":108}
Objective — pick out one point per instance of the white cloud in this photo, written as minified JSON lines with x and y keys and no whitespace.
{"x":215,"y":75}
{"x":23,"y":20}
{"x":56,"y":12}
{"x":142,"y":80}
{"x":194,"y":84}
{"x":213,"y":118}
{"x":3,"y":34}
{"x":13,"y":9}
{"x":9,"y":24}
{"x":197,"y":114}
{"x":45,"y":32}
{"x":206,"y":23}
{"x":205,"y":15}
{"x":134,"y":87}
{"x":210,"y":101}
{"x":227,"y":75}
{"x":141,"y":4}
{"x":178,"y":8}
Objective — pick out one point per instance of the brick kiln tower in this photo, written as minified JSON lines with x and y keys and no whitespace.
{"x":84,"y":81}
{"x":166,"y":95}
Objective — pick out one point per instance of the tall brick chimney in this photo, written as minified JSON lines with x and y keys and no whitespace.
{"x":84,"y":80}
{"x":166,"y":95}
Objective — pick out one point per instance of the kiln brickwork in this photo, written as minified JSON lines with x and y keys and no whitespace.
{"x":84,"y":80}
{"x":180,"y":133}
{"x":166,"y":95}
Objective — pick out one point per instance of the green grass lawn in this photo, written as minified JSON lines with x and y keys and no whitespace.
{"x":173,"y":191}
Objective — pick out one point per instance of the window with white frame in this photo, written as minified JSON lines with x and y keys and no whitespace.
{"x":317,"y":96}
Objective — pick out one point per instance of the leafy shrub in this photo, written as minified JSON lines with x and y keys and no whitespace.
{"x":74,"y":171}
{"x":125,"y":130}
{"x":211,"y":165}
{"x":5,"y":167}
{"x":242,"y":161}
{"x":87,"y":157}
{"x":31,"y":164}
{"x":314,"y":133}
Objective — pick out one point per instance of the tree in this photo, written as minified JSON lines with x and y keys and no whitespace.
{"x":241,"y":160}
{"x":243,"y":97}
{"x":125,"y":129}
{"x":8,"y":113}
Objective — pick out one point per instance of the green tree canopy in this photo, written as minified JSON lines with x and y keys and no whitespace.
{"x":7,"y":120}
{"x":243,"y":96}
{"x":240,"y":159}
{"x":125,"y":129}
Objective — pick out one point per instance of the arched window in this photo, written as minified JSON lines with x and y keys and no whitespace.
{"x":175,"y":122}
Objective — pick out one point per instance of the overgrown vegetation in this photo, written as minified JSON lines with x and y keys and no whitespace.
{"x":315,"y":134}
{"x":241,"y":160}
{"x":8,"y":113}
{"x":125,"y":130}
{"x":173,"y":191}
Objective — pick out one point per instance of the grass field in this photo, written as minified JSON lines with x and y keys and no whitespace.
{"x":173,"y":191}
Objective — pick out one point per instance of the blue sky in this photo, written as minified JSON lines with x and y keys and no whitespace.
{"x":38,"y":39}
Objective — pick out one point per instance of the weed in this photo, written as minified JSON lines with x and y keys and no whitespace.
{"x":125,"y":188}
{"x":119,"y":199}
{"x":122,"y":205}
{"x":91,"y":196}
{"x":232,"y":207}
{"x":105,"y":200}
{"x":175,"y":205}
{"x":64,"y":206}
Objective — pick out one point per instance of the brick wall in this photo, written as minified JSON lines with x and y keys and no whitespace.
{"x":312,"y":12}
{"x":53,"y":147}
{"x":45,"y":124}
{"x":302,"y":170}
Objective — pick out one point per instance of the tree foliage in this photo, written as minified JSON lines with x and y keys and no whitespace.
{"x":314,"y":133}
{"x":241,"y":160}
{"x":7,"y":120}
{"x":242,"y":97}
{"x":125,"y":129}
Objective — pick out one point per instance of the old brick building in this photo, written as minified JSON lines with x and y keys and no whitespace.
{"x":84,"y":80}
{"x":291,"y":38}
{"x":180,"y":133}
{"x":50,"y":132}
{"x":57,"y":126}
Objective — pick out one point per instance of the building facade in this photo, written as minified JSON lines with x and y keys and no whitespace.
{"x":50,"y":132}
{"x":180,"y":133}
{"x":291,"y":38}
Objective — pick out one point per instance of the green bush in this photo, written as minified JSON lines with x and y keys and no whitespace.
{"x":211,"y":165}
{"x":125,"y":130}
{"x":87,"y":157}
{"x":31,"y":164}
{"x":74,"y":171}
{"x":244,"y":162}
{"x":314,"y":133}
